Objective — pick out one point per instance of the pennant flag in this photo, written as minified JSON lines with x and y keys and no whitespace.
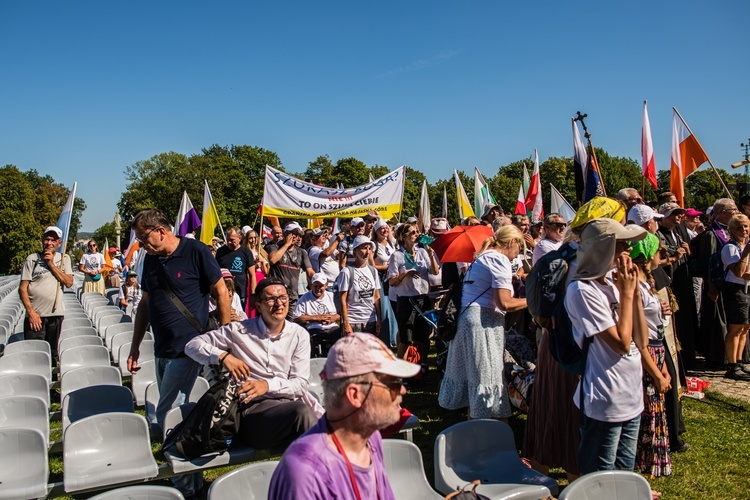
{"x":464,"y":207}
{"x":533,"y":200}
{"x":580,"y":160}
{"x":558,"y":204}
{"x":424,"y":218}
{"x":526,"y":180}
{"x":482,"y":195}
{"x":647,"y":150}
{"x":187,"y":218}
{"x":687,"y":156}
{"x":521,"y":201}
{"x":63,"y":222}
{"x":210,"y":216}
{"x":444,"y":213}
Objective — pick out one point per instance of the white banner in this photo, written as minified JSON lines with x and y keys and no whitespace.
{"x":289,"y":197}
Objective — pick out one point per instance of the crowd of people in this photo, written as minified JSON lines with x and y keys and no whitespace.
{"x":651,"y":288}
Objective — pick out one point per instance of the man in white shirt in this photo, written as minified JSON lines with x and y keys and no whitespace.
{"x":554,"y":230}
{"x":270,"y":358}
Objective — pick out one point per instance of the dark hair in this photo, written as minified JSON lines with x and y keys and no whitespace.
{"x":151,"y":218}
{"x":265,"y":284}
{"x":517,"y":218}
{"x":744,"y":200}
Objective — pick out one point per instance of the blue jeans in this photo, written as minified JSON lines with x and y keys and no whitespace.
{"x":607,"y":445}
{"x":176,"y":377}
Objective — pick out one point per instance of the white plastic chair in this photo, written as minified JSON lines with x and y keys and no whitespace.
{"x":29,"y":345}
{"x":87,"y":376}
{"x":85,"y":355}
{"x":142,"y":379}
{"x":405,"y":470}
{"x":27,"y":362}
{"x":200,"y":387}
{"x":112,"y":331}
{"x":118,"y":341}
{"x":486,"y":450}
{"x":146,"y":354}
{"x":75,"y":332}
{"x":24,"y":466}
{"x":609,"y":484}
{"x":315,"y":384}
{"x":145,"y":492}
{"x":25,"y":411}
{"x":93,"y":400}
{"x":249,"y":482}
{"x":104,"y":449}
{"x":107,"y":321}
{"x":68,"y":324}
{"x":105,"y":313}
{"x":25,"y":384}
{"x":78,"y":341}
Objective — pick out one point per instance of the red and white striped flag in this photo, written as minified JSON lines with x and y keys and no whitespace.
{"x":521,"y":201}
{"x":533,"y":200}
{"x":647,"y":150}
{"x":687,"y":156}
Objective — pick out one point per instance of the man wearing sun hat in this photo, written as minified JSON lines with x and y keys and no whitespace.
{"x":342,"y":455}
{"x":43,"y":274}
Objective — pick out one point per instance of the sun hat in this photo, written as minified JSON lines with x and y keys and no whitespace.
{"x":319,"y":278}
{"x":53,"y":229}
{"x":640,"y":214}
{"x":647,"y":247}
{"x":356,"y":221}
{"x":360,"y":353}
{"x":598,"y":207}
{"x":669,"y":208}
{"x":293,"y":227}
{"x":319,"y":230}
{"x":362,"y":240}
{"x":439,"y":225}
{"x":380,"y":223}
{"x":597,"y":247}
{"x":226,"y":274}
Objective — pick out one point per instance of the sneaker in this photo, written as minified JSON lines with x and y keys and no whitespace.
{"x":736,"y":373}
{"x":744,"y":367}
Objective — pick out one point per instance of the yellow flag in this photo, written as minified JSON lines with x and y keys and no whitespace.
{"x":464,"y":207}
{"x":210,"y":216}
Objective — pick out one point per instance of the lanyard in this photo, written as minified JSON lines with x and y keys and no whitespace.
{"x":348,"y":465}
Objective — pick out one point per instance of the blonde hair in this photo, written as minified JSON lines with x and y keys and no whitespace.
{"x":503,"y":238}
{"x":258,"y":244}
{"x":737,"y":221}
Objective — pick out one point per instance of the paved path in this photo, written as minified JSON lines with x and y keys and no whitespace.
{"x":732,"y":388}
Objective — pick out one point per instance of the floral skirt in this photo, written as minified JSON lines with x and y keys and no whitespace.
{"x":652,"y":455}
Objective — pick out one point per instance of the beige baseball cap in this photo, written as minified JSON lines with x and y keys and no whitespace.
{"x":360,"y":353}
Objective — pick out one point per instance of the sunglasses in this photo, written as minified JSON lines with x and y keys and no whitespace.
{"x":394,"y":386}
{"x":558,"y":225}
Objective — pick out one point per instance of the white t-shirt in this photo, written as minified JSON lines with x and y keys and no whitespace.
{"x":413,"y":285}
{"x":329,"y":266}
{"x":652,"y":312}
{"x":613,"y":389}
{"x":544,"y":247}
{"x":133,"y":298}
{"x":310,"y":305}
{"x":92,"y":262}
{"x":360,"y":284}
{"x":491,"y":269}
{"x":730,"y":254}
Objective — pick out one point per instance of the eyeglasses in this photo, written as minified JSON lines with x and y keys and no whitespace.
{"x":394,"y":386}
{"x":413,"y":231}
{"x":558,"y":225}
{"x":281,"y":299}
{"x":730,"y":210}
{"x":93,"y":245}
{"x":144,"y":237}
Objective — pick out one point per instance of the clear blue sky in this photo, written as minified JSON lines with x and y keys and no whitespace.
{"x":88,"y":88}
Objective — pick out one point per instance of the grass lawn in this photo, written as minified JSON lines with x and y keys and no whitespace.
{"x":716,"y":465}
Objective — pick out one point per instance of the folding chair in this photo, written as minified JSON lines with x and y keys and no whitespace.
{"x":405,"y":470}
{"x":250,"y":481}
{"x":94,"y":400}
{"x":609,"y":484}
{"x":24,"y":466}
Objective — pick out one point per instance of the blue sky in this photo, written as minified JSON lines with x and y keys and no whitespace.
{"x":88,"y":88}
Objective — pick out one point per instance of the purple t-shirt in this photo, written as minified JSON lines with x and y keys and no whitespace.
{"x":312,"y":469}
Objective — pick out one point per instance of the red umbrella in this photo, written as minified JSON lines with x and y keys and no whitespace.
{"x":461,"y":243}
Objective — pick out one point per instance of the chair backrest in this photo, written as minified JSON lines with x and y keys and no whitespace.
{"x":27,"y":362}
{"x":315,"y":384}
{"x":29,"y":345}
{"x":88,"y":375}
{"x":175,"y":416}
{"x":85,"y":355}
{"x":68,"y":324}
{"x":200,"y":387}
{"x":142,"y":379}
{"x":74,"y":332}
{"x":146,"y":354}
{"x":107,"y":321}
{"x":113,"y":330}
{"x":250,"y":481}
{"x":25,"y":411}
{"x":94,"y":400}
{"x":25,"y":384}
{"x":609,"y":484}
{"x":79,"y":341}
{"x":111,"y":294}
{"x":104,"y":312}
{"x":24,"y":466}
{"x":118,"y":341}
{"x":144,"y":492}
{"x":405,"y":470}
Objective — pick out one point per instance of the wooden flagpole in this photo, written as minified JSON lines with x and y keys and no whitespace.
{"x":707,"y":157}
{"x":579,"y":117}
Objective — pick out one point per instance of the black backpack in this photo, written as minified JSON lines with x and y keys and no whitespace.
{"x":211,"y":424}
{"x":717,"y":273}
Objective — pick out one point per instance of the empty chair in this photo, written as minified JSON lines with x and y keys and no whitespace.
{"x":29,"y":345}
{"x":94,"y":400}
{"x":75,"y":332}
{"x":486,"y":450}
{"x":113,"y":330}
{"x":107,"y":321}
{"x":145,"y":492}
{"x":142,"y":379}
{"x":27,"y":362}
{"x":104,"y":449}
{"x":94,"y":304}
{"x":250,"y":481}
{"x":405,"y":470}
{"x":146,"y":354}
{"x":609,"y":484}
{"x":25,"y":411}
{"x":75,"y":323}
{"x":200,"y":387}
{"x":87,"y":376}
{"x":118,"y":341}
{"x":79,"y":341}
{"x":104,"y":313}
{"x":25,"y":384}
{"x":24,"y":469}
{"x":85,"y":355}
{"x":315,"y":385}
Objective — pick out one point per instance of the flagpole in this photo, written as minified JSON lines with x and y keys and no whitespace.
{"x":587,"y":135}
{"x":704,"y":150}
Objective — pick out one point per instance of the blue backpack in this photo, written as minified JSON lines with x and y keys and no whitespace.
{"x":716,"y":271}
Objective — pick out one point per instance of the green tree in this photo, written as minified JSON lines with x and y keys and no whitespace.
{"x":105,"y":232}
{"x":49,"y":199}
{"x":20,"y":232}
{"x":702,"y":188}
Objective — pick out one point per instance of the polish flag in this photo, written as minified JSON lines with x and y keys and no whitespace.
{"x":521,"y":201}
{"x":647,"y":150}
{"x":687,"y":156}
{"x":533,"y":200}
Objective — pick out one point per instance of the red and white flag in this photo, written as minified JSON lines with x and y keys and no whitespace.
{"x":687,"y":156}
{"x":521,"y":201}
{"x":533,"y":200}
{"x":647,"y":150}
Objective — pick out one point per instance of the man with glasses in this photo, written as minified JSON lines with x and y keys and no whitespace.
{"x":342,"y":455}
{"x":42,"y":277}
{"x":554,"y":230}
{"x":178,"y":276}
{"x":91,"y":265}
{"x":630,"y":197}
{"x":287,"y":259}
{"x":270,"y":358}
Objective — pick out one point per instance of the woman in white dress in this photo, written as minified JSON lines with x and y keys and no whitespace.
{"x":91,"y":265}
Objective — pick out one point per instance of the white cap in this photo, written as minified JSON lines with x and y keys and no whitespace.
{"x":362,"y":240}
{"x":293,"y":226}
{"x":54,"y":229}
{"x":246,"y":229}
{"x":319,"y":278}
{"x":356,"y":221}
{"x":380,"y":223}
{"x":640,"y":214}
